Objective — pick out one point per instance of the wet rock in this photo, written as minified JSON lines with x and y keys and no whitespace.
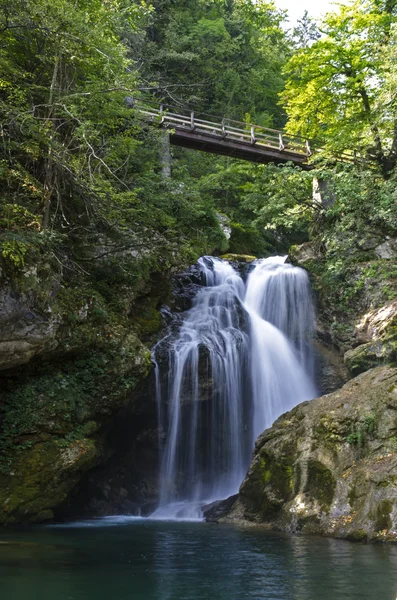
{"x":185,"y":287}
{"x":216,"y":510}
{"x":330,"y":370}
{"x":329,"y":466}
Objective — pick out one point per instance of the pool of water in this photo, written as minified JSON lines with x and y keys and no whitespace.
{"x":131,"y":559}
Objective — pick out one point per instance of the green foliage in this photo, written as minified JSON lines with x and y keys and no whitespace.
{"x":340,"y":89}
{"x":75,"y":159}
{"x":220,"y":57}
{"x":60,"y":402}
{"x":14,"y":251}
{"x":362,"y":431}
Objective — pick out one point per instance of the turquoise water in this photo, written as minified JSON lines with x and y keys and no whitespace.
{"x":125,"y":559}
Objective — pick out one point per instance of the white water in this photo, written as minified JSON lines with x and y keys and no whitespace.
{"x":241,"y":358}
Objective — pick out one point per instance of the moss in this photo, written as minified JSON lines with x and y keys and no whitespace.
{"x":148,"y":319}
{"x":362,"y":431}
{"x":328,"y":432}
{"x":245,"y":258}
{"x":62,"y":399}
{"x":352,"y":495}
{"x":276,"y":477}
{"x":358,"y":535}
{"x":381,"y":515}
{"x":320,"y":483}
{"x":42,"y":478}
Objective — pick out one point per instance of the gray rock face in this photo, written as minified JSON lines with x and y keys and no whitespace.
{"x":304,"y":254}
{"x":387,"y":249}
{"x":329,"y":466}
{"x":23,"y":332}
{"x":378,"y":329}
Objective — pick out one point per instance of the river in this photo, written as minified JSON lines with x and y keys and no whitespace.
{"x":132,"y":559}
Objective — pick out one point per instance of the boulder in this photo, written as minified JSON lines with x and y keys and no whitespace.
{"x":329,"y":466}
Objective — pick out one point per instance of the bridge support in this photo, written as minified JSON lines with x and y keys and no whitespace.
{"x":165,"y":155}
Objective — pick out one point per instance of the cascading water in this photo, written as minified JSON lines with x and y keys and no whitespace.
{"x":242,"y":357}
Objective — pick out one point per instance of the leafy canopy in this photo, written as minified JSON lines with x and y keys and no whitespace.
{"x":342,"y":88}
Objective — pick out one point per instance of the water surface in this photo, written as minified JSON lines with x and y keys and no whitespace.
{"x":129,"y":559}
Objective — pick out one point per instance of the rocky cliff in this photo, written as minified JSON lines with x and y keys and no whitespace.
{"x":74,"y":362}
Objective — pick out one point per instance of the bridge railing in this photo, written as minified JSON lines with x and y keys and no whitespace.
{"x":226,"y":129}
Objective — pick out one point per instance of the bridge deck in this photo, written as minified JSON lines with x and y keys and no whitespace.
{"x":230,"y":138}
{"x":242,"y":149}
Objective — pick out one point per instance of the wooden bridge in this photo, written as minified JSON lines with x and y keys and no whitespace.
{"x":227,"y":137}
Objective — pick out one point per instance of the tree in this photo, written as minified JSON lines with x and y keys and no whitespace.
{"x":220,"y":57}
{"x":306,"y":31}
{"x":79,"y":168}
{"x":64,"y":78}
{"x":342,"y":89}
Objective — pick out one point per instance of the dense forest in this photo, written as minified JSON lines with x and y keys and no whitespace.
{"x":92,"y":228}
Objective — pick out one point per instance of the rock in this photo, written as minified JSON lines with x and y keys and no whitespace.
{"x":387,"y":249}
{"x":329,"y":466}
{"x":303,"y":254}
{"x":45,"y":475}
{"x":323,"y":192}
{"x":380,"y":328}
{"x":185,"y":286}
{"x":238,"y":258}
{"x":330,"y":370}
{"x":216,"y":510}
{"x":370,"y":355}
{"x":24,"y":332}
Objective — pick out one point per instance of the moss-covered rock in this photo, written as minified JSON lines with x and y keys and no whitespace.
{"x":330,"y":465}
{"x":42,"y":477}
{"x":74,"y":346}
{"x":239,"y":258}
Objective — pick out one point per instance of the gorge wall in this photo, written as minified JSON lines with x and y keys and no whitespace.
{"x":74,"y":352}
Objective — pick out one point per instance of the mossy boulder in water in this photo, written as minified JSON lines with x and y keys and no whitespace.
{"x":329,"y":466}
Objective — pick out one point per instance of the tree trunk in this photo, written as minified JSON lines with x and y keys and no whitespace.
{"x":49,"y":182}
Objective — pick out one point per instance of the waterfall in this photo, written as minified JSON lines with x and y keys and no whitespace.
{"x":241,"y":357}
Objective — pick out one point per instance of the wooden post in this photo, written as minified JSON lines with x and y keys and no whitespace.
{"x":281,"y":143}
{"x":253,"y":140}
{"x":192,"y":120}
{"x":308,"y":150}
